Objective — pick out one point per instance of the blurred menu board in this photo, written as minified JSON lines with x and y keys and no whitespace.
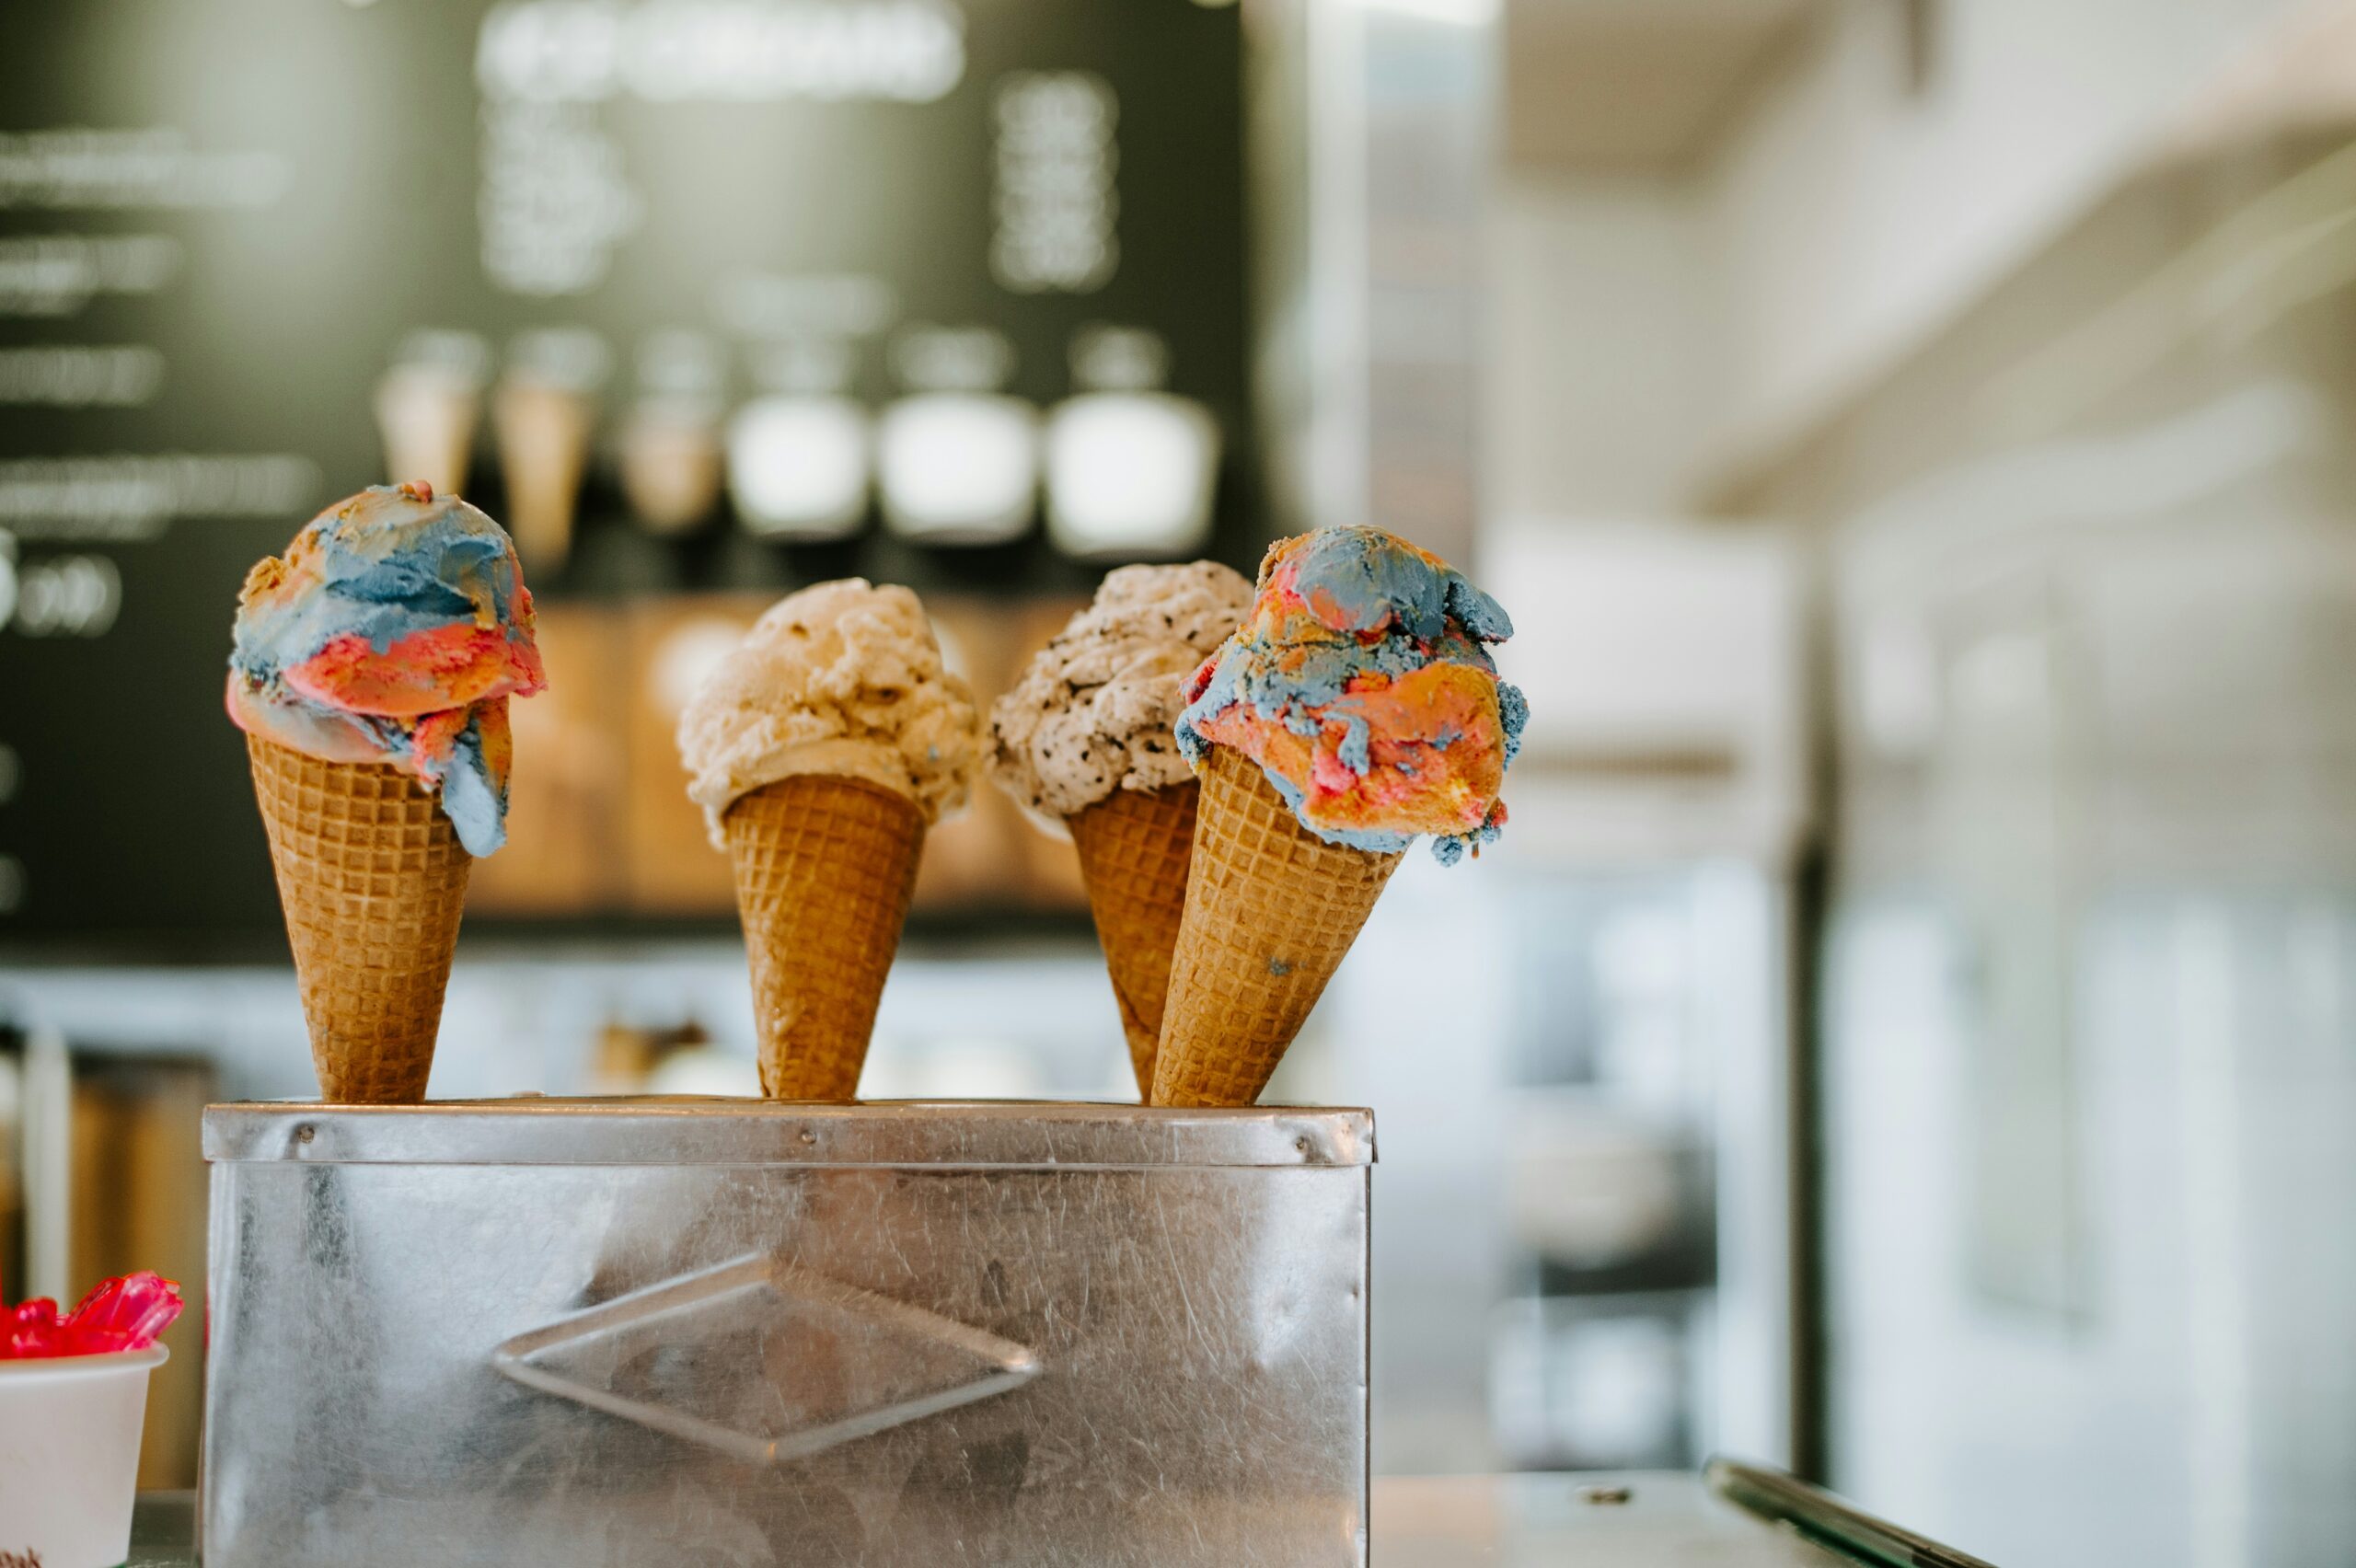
{"x":254,"y":252}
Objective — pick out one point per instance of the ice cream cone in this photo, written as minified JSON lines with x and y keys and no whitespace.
{"x":1133,"y":851}
{"x":824,"y":866}
{"x":1270,"y":910}
{"x":374,"y":880}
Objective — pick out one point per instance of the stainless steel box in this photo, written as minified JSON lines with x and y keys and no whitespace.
{"x":645,"y":1332}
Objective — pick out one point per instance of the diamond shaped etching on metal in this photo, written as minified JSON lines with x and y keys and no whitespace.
{"x":764,"y":1360}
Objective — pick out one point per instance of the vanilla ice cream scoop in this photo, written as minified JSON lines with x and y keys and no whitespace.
{"x":1094,"y":711}
{"x":842,"y":678}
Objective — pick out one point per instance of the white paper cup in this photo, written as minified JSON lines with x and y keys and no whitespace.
{"x":69,"y":1456}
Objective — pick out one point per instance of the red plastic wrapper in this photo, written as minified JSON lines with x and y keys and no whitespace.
{"x":130,"y":1313}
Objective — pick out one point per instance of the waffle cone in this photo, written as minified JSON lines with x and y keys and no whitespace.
{"x":372,"y":880}
{"x":1270,"y":910}
{"x":824,"y":866}
{"x":1133,"y":851}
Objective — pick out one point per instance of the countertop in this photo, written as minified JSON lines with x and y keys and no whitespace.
{"x":1664,"y":1520}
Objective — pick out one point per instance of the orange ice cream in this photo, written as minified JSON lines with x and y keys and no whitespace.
{"x":1362,"y":687}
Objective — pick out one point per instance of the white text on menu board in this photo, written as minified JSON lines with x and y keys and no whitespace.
{"x":111,"y":497}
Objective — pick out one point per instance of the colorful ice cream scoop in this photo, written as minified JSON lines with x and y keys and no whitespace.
{"x":393,"y":631}
{"x":1361,"y":686}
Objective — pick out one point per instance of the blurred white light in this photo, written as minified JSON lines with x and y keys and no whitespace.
{"x":958,"y":467}
{"x":797,"y":467}
{"x":1130,"y":474}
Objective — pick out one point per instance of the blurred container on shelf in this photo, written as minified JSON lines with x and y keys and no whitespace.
{"x":669,"y":447}
{"x":1131,"y":471}
{"x":957,"y":460}
{"x":427,"y":405}
{"x":544,"y":413}
{"x":799,"y":454}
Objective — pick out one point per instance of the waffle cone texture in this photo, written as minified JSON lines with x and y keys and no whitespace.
{"x":372,"y":880}
{"x":1271,"y":909}
{"x":825,"y":868}
{"x":1134,"y":845}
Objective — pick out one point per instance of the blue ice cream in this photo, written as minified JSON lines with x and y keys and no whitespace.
{"x":1362,"y":687}
{"x":393,"y":631}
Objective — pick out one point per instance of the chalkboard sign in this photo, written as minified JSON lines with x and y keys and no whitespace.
{"x":221,"y":221}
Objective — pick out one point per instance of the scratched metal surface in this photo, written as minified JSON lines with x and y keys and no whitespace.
{"x":1078,"y":1346}
{"x":688,"y":1130}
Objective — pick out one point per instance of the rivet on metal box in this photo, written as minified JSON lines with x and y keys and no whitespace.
{"x":587,"y":1332}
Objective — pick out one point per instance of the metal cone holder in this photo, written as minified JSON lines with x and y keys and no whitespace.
{"x":596,"y":1332}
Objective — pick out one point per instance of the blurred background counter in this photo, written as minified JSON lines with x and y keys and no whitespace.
{"x":1905,"y":1031}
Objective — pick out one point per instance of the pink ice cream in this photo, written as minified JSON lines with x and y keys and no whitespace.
{"x":394,"y":629}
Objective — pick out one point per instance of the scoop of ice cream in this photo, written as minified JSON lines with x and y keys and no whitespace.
{"x":1094,"y":709}
{"x":394,"y":629}
{"x":1361,"y":686}
{"x":842,"y":678}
